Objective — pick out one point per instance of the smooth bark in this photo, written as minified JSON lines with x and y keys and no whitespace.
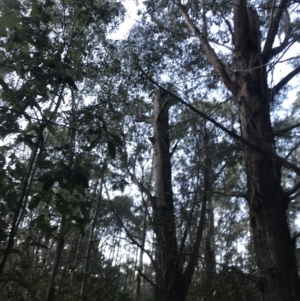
{"x":172,"y":283}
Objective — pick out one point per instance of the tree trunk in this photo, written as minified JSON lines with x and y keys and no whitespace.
{"x":168,"y":275}
{"x":277,"y":268}
{"x":171,"y":282}
{"x":61,"y":239}
{"x":140,"y":264}
{"x":58,"y":253}
{"x":210,"y":260}
{"x":90,"y":241}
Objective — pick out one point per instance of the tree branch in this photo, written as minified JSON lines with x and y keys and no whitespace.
{"x":129,"y":235}
{"x":288,"y":193}
{"x":283,"y":131}
{"x":276,"y":50}
{"x":188,"y":274}
{"x":284,"y":81}
{"x":140,"y":186}
{"x":274,"y":25}
{"x":147,"y":279}
{"x":231,"y":133}
{"x":208,"y":50}
{"x":144,"y":118}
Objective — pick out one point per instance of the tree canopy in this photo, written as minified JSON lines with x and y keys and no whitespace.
{"x":160,"y":166}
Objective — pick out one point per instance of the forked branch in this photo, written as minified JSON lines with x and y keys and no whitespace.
{"x":208,"y":50}
{"x":273,"y":28}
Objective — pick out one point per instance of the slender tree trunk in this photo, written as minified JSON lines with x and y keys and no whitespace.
{"x":172,"y":283}
{"x":89,"y":246}
{"x":210,"y":260}
{"x":140,"y":264}
{"x":58,"y":253}
{"x":61,"y":240}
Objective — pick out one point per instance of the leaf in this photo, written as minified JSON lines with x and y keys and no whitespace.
{"x":37,"y":220}
{"x":117,"y":139}
{"x":51,"y":129}
{"x":60,"y":198}
{"x":26,"y":265}
{"x":44,"y":225}
{"x":43,"y":178}
{"x":34,"y":202}
{"x":13,"y":4}
{"x":62,"y":208}
{"x":46,"y":164}
{"x":12,"y":199}
{"x":48,"y":183}
{"x":69,"y":80}
{"x":79,"y":159}
{"x":80,"y":177}
{"x":37,"y":244}
{"x":65,"y":231}
{"x":111,"y":149}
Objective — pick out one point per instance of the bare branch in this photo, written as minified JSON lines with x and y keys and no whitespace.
{"x":284,"y":81}
{"x":283,"y":131}
{"x":274,"y":25}
{"x":144,"y":118}
{"x":276,"y":50}
{"x":231,"y":133}
{"x":288,"y":193}
{"x":295,"y":147}
{"x":208,"y":50}
{"x":140,"y":186}
{"x":147,"y":279}
{"x":228,"y":24}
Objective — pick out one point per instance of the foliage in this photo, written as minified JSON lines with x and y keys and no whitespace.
{"x":76,"y":163}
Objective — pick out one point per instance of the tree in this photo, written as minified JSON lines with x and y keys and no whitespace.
{"x":244,"y":70}
{"x":173,"y":273}
{"x":47,"y":51}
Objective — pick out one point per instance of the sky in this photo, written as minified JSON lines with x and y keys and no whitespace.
{"x":131,"y":18}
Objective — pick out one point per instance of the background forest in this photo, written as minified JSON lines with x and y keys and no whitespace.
{"x":162,"y":165}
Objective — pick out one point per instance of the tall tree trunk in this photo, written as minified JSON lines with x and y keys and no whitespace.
{"x":61,"y":239}
{"x":168,"y":275}
{"x":277,"y":268}
{"x":90,"y":241}
{"x":172,"y":283}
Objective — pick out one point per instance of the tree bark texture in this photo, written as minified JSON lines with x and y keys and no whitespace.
{"x":168,"y":275}
{"x":171,"y":281}
{"x":277,"y":268}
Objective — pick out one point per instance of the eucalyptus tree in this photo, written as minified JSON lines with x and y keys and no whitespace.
{"x":242,"y":42}
{"x":179,"y":164}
